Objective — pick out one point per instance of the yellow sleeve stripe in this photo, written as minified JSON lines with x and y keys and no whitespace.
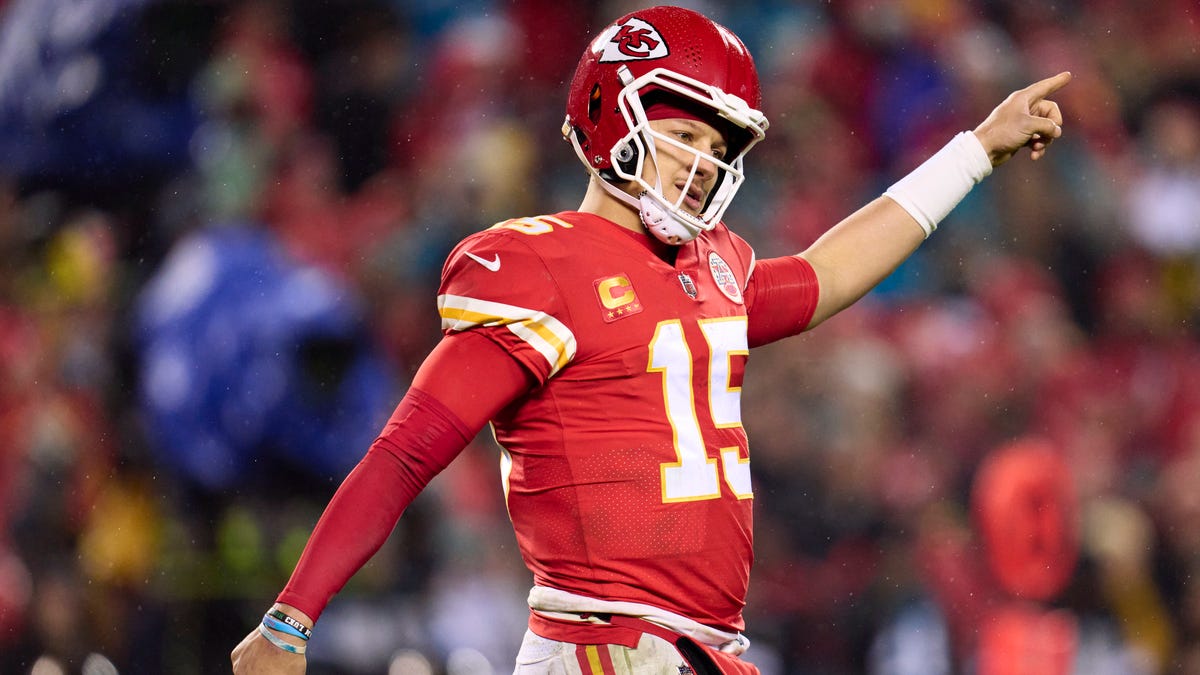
{"x":555,"y":221}
{"x":546,"y":334}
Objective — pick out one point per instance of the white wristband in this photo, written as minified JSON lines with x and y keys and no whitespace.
{"x":933,"y":189}
{"x":282,"y":644}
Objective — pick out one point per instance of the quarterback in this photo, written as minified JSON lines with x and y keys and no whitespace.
{"x":606,"y":347}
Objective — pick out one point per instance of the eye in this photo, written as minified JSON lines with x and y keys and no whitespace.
{"x":719,"y":153}
{"x":685,"y":136}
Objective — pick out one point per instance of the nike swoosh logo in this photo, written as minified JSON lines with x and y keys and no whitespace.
{"x":492,"y":265}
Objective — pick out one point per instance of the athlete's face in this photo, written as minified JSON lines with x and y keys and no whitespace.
{"x":675,"y":164}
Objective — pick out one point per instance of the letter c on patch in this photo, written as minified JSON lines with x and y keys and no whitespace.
{"x":615,"y":292}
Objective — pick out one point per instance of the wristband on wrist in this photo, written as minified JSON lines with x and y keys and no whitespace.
{"x":277,"y":625}
{"x":285,"y":646}
{"x":305,"y":631}
{"x":933,"y":189}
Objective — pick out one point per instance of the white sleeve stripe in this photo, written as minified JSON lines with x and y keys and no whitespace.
{"x":544,"y":333}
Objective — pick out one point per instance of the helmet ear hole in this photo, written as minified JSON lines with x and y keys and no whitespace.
{"x":594,"y":104}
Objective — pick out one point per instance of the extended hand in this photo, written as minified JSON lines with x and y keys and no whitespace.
{"x":1025,"y":119}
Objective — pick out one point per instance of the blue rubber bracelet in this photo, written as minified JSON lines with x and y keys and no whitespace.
{"x":275,"y":624}
{"x":305,"y":631}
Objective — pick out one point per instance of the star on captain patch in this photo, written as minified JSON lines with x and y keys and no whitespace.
{"x":617,"y":297}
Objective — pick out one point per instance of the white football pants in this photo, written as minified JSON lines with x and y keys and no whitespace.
{"x":652,"y":656}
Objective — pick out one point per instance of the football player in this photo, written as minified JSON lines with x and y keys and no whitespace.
{"x":606,"y":347}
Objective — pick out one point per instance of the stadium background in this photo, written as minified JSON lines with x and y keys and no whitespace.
{"x":221,"y":225}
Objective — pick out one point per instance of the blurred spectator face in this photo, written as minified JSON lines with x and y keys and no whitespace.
{"x":1172,"y":134}
{"x":1179,"y":505}
{"x":1165,"y":200}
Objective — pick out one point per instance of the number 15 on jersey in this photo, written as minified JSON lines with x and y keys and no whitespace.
{"x":695,"y":475}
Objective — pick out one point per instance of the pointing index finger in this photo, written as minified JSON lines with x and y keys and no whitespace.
{"x":1043,"y":88}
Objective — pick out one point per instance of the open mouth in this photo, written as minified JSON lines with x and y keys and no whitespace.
{"x":693,"y":200}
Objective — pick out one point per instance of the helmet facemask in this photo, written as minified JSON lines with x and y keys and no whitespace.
{"x":667,"y":219}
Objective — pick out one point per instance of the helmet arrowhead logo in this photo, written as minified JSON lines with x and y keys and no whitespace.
{"x":635,"y":42}
{"x":631,"y":40}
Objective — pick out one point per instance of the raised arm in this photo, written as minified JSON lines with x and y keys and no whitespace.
{"x":852,"y":257}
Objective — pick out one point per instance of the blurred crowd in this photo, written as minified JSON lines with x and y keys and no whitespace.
{"x":221,"y":227}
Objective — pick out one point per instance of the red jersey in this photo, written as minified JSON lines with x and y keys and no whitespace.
{"x":626,"y":471}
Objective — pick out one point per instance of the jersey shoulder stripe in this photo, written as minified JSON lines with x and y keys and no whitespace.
{"x":545,"y":334}
{"x":535,"y":225}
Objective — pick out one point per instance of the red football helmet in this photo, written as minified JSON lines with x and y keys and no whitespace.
{"x":696,"y":64}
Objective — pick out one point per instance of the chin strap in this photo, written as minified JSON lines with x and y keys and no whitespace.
{"x":663,"y":223}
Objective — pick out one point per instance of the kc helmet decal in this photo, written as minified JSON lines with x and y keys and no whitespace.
{"x":632,"y":40}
